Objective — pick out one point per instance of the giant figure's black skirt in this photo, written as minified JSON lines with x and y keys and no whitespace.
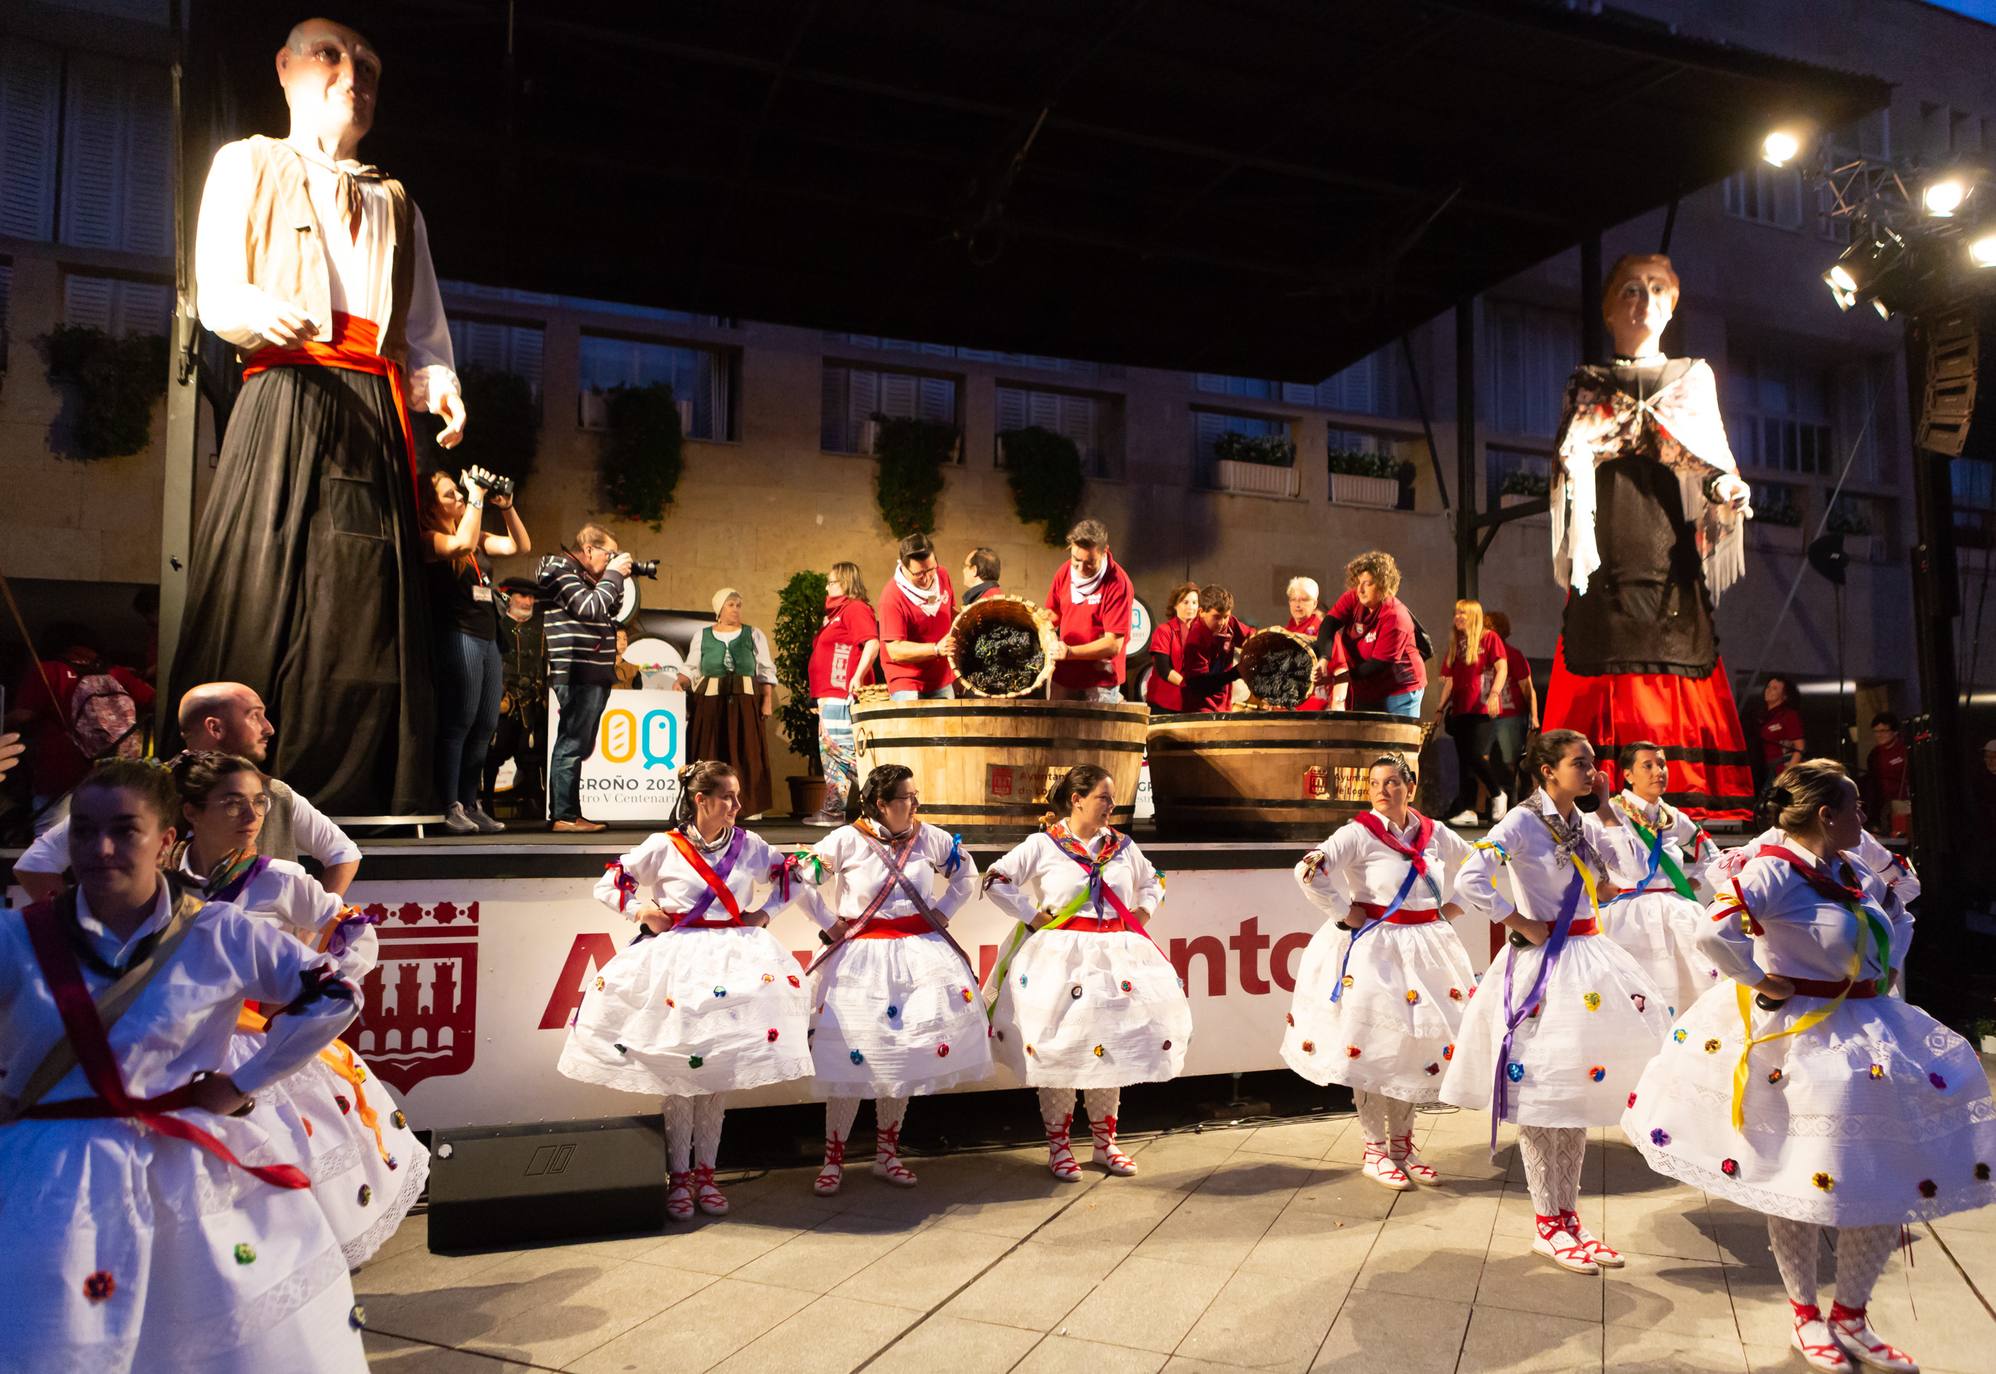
{"x":305,"y":583}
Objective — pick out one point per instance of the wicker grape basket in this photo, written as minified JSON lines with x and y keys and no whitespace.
{"x":1259,"y":658}
{"x":999,"y":613}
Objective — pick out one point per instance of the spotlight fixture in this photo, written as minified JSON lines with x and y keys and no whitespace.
{"x":1943,"y":197}
{"x":1780,"y":147}
{"x":1864,"y":267}
{"x":1982,"y":251}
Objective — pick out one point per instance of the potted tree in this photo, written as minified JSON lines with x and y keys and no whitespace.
{"x":1523,"y":487}
{"x":800,"y":614}
{"x":1359,"y":478}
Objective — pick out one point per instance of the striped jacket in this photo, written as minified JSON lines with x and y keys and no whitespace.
{"x":579,"y":615}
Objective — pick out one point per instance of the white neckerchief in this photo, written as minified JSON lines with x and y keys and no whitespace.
{"x":106,"y":942}
{"x":925,"y":601}
{"x":1080,"y":588}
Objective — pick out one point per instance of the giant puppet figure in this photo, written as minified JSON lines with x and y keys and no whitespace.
{"x":305,"y":581}
{"x":1648,"y":522}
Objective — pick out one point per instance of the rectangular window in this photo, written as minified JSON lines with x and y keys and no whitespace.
{"x":1367,"y":387}
{"x":1072,"y":367}
{"x":30,"y":90}
{"x":116,"y":157}
{"x":1778,"y":413}
{"x":1529,"y":352}
{"x":702,"y":381}
{"x":514,"y":348}
{"x":1094,"y":423}
{"x":116,"y":305}
{"x":852,"y":396}
{"x":1974,"y":483}
{"x":1765,"y":195}
{"x":1247,"y":388}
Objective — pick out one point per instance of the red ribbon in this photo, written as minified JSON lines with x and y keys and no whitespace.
{"x":708,"y":876}
{"x":1825,"y":886}
{"x":100,"y":1067}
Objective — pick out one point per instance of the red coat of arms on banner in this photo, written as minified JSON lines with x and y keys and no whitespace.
{"x":420,"y":1018}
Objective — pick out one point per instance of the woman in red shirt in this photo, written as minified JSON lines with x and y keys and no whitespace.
{"x":842,"y":659}
{"x":1476,"y":668}
{"x":1780,"y":739}
{"x":1370,"y":640}
{"x":1306,"y":618}
{"x":1164,"y":689}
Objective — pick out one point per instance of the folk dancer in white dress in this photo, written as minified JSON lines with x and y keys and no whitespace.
{"x":894,"y":1001}
{"x":150,"y":1219}
{"x":1797,"y":1089}
{"x":1660,"y":916}
{"x":1562,"y":1024}
{"x":705,"y":1001}
{"x":1382,"y":987}
{"x":1083,"y":998}
{"x":347,"y":1131}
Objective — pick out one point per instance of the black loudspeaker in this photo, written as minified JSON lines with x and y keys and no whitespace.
{"x":507,"y":1186}
{"x":1954,"y":403}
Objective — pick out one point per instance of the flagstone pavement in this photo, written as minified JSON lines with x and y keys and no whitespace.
{"x":1235,"y":1248}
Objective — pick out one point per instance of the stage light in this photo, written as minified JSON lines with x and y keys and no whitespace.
{"x":1982,"y":251}
{"x":1884,"y":310}
{"x":1841,"y":279}
{"x":1780,"y":147}
{"x":1942,"y":198}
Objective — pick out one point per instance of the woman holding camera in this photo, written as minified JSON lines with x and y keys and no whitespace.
{"x":464,"y":608}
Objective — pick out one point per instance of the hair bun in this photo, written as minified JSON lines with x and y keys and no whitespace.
{"x":1781,"y":796}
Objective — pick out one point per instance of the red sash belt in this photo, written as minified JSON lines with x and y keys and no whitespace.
{"x":352,"y":350}
{"x":1372,"y":911}
{"x":679,"y":922}
{"x":1833,"y":987}
{"x":1584,"y":925}
{"x":1096,"y":925}
{"x":894,"y":928}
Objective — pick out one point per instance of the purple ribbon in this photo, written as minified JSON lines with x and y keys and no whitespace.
{"x":722,"y":870}
{"x":1515,"y":1012}
{"x":349,"y":929}
{"x":236,"y":886}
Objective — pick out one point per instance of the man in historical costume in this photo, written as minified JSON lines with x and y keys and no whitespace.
{"x":305,"y":580}
{"x":1648,"y":523}
{"x":1090,"y":601}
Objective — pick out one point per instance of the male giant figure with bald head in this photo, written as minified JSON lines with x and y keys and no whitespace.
{"x":305,"y":581}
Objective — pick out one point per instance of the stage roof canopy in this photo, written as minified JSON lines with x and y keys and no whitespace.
{"x":1269,"y":187}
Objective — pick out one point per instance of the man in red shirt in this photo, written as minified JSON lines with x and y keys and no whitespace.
{"x":1888,"y":797}
{"x":916,"y":612}
{"x":1212,"y":650}
{"x":1090,"y":602}
{"x":980,"y":576}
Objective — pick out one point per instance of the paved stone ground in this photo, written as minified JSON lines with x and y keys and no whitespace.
{"x":1241,"y":1248}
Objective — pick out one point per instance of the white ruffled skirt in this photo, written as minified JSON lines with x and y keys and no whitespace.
{"x":1393,"y":1030}
{"x":1660,"y":932}
{"x":1090,"y":1009}
{"x":124,"y":1250}
{"x":1599,"y":1022}
{"x":688,"y":1012}
{"x":364,"y":1182}
{"x":1877,"y":1115}
{"x":896,"y":1017}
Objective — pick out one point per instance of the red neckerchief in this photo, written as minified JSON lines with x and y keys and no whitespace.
{"x":1824,"y":885}
{"x":707,"y":875}
{"x":87,"y":1037}
{"x":1418,"y":854}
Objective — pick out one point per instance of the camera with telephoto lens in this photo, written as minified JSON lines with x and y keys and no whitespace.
{"x":644,"y":567}
{"x":492,"y":482}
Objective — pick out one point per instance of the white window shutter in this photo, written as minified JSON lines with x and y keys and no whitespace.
{"x":1011,"y":408}
{"x":832,"y":410}
{"x":30,"y":79}
{"x":93,"y":153}
{"x":938,"y":403}
{"x":86,"y":301}
{"x":147,"y":225}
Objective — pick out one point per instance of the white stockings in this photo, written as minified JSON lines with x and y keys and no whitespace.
{"x":1553,"y":1156}
{"x":1861,"y":1255}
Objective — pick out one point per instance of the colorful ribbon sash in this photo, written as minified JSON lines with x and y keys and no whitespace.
{"x":1417,"y":867}
{"x":715,"y":878}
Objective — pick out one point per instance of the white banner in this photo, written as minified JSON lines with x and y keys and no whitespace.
{"x":640,"y":744}
{"x":467,"y":1012}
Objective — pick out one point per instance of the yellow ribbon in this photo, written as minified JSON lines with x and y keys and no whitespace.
{"x":1744,"y":995}
{"x":1061,"y":918}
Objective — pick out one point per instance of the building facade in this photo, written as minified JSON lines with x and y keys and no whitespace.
{"x":778,"y":474}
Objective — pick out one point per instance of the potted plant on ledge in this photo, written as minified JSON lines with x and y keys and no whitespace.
{"x":1261,"y":464}
{"x":800,"y":614}
{"x":1359,"y":478}
{"x":1523,"y":487}
{"x":1853,"y":521}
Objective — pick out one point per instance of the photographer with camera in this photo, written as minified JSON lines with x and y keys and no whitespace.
{"x":582,"y":594}
{"x":464,"y":609}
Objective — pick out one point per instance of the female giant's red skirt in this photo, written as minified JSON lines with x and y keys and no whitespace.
{"x":1694,"y":719}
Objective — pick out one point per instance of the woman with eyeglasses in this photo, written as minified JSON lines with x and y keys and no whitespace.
{"x":347,"y":1131}
{"x":895,"y":1010}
